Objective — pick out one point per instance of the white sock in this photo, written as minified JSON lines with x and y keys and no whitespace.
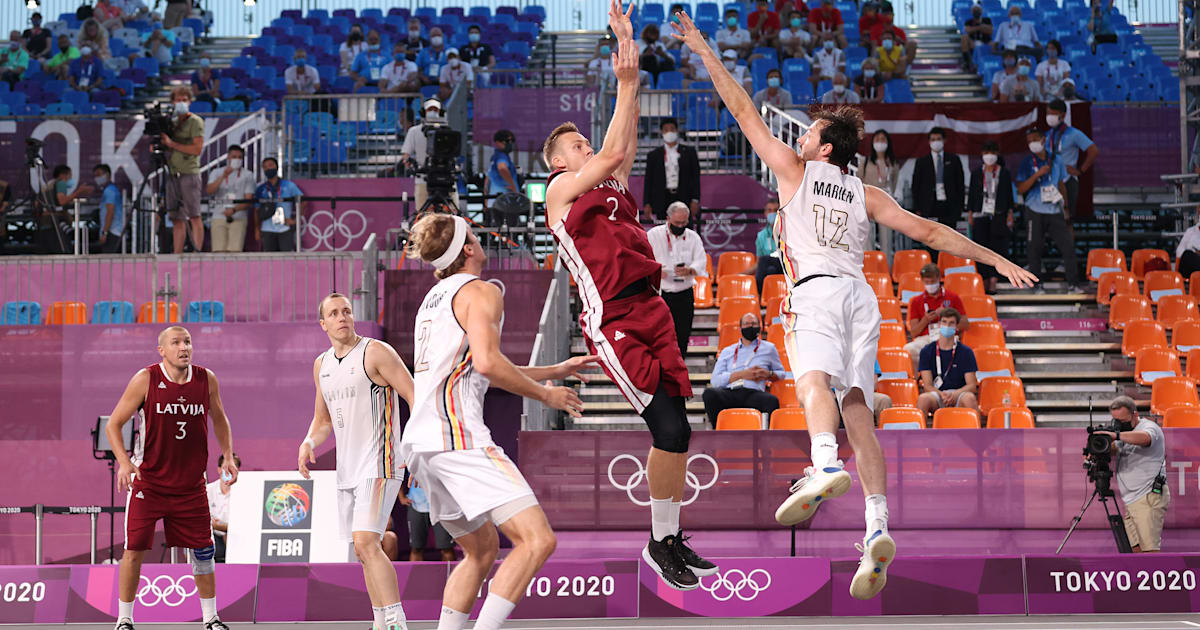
{"x":495,"y":612}
{"x":674,"y":516}
{"x":393,"y":615}
{"x":451,"y":619}
{"x":377,"y":613}
{"x":660,"y":518}
{"x":824,"y":451}
{"x":877,"y":513}
{"x":124,"y":610}
{"x":208,"y":609}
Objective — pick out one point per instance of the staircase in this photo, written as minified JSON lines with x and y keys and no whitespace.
{"x":936,"y":73}
{"x":565,"y":50}
{"x":222,"y":50}
{"x":1164,"y":39}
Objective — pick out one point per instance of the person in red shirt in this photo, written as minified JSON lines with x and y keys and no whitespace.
{"x":886,"y":17}
{"x":828,"y":19}
{"x":764,"y":25}
{"x":869,"y":19}
{"x":785,"y":7}
{"x":925,"y":311}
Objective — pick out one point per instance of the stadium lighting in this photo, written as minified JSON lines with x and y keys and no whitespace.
{"x":248,"y":3}
{"x":32,"y":5}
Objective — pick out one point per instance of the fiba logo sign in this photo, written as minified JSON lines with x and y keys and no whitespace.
{"x":287,"y":505}
{"x":638,"y":475}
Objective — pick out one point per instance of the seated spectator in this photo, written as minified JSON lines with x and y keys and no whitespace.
{"x":230,"y":191}
{"x":301,"y":78}
{"x":158,"y":44}
{"x":826,"y":22}
{"x":767,"y":250}
{"x":734,"y":37}
{"x":416,"y":501}
{"x":1052,"y":71}
{"x":1002,"y":75}
{"x":787,"y":7}
{"x":276,"y":231}
{"x":205,"y":86}
{"x":453,"y":73}
{"x":415,"y":43}
{"x":107,"y":15}
{"x":94,"y":36}
{"x":926,"y":310}
{"x":1100,"y":24}
{"x":599,"y":68}
{"x":990,"y":209}
{"x":743,"y":372}
{"x":112,"y":211}
{"x":218,"y":508}
{"x":764,"y":26}
{"x":63,"y":187}
{"x":1188,"y":251}
{"x":350,"y":49}
{"x":839,"y":93}
{"x":898,"y":36}
{"x":431,"y":58}
{"x":400,"y":75}
{"x":869,"y":86}
{"x":1021,"y":88}
{"x":827,"y":63}
{"x":948,"y":370}
{"x":977,"y":31}
{"x":867,"y":22}
{"x":740,"y":72}
{"x":1068,"y":91}
{"x":368,"y":66}
{"x":1017,"y":36}
{"x":795,"y":41}
{"x":36,"y":38}
{"x":693,"y":68}
{"x":13,"y":59}
{"x":477,"y":53}
{"x":653,"y":55}
{"x":87,"y":73}
{"x":893,"y":64}
{"x":177,"y":11}
{"x":773,"y":94}
{"x":60,"y":64}
{"x":132,"y":10}
{"x":672,"y":43}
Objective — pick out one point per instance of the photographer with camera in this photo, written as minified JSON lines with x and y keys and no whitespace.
{"x":1141,"y":472}
{"x":415,"y":150}
{"x":276,"y":210}
{"x":185,"y":140}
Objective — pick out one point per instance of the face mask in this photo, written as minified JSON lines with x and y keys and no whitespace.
{"x":69,"y":184}
{"x":235,"y":163}
{"x":181,"y":108}
{"x":399,"y":57}
{"x":750,"y":333}
{"x":101,"y":181}
{"x":1036,"y":147}
{"x":976,"y":14}
{"x":932,"y":289}
{"x":1052,"y":53}
{"x":436,"y":40}
{"x":730,"y":64}
{"x":990,"y":158}
{"x":1023,"y":70}
{"x":300,"y":61}
{"x":414,"y":34}
{"x":773,"y":82}
{"x":1015,"y":19}
{"x":870,"y":74}
{"x":454,"y":61}
{"x":13,"y":46}
{"x":677,"y":230}
{"x":828,"y":44}
{"x":206,"y":63}
{"x":670,"y":137}
{"x":879,"y":147}
{"x":508,"y":146}
{"x":796,"y":22}
{"x":732,"y":22}
{"x":948,"y":331}
{"x":936,"y":146}
{"x":36,"y":22}
{"x":887,"y":44}
{"x":771,"y":217}
{"x":838,"y":88}
{"x":373,"y":47}
{"x":85,"y":51}
{"x":1068,"y":93}
{"x":473,"y":38}
{"x":1009,"y":62}
{"x":605,"y":51}
{"x":1053,"y":120}
{"x":271,"y":173}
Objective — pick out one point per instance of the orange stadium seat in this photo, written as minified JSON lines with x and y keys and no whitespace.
{"x":881,"y":284}
{"x":1172,"y":391}
{"x":875,"y":261}
{"x":993,"y":362}
{"x":1186,"y":335}
{"x":889,"y":310}
{"x":704,"y":296}
{"x":1019,"y":418}
{"x":965,"y":284}
{"x":1128,"y":308}
{"x":894,"y":363}
{"x":949,"y":263}
{"x":774,"y":310}
{"x":1181,"y":417}
{"x":1155,"y":363}
{"x":1192,"y":368}
{"x":956,"y":418}
{"x":708,"y":266}
{"x":911,"y":417}
{"x":991,"y":393}
{"x":1116,"y":283}
{"x":1163,"y":283}
{"x":735,"y":262}
{"x":548,"y":262}
{"x":775,"y":336}
{"x":727,"y":335}
{"x":739,"y":420}
{"x":774,"y":285}
{"x":892,"y":336}
{"x":908,"y":261}
{"x":66,"y":313}
{"x":1173,"y":309}
{"x":785,"y":391}
{"x":733,"y":309}
{"x":736,"y":285}
{"x":788,"y":419}
{"x":909,"y":287}
{"x":1102,"y":261}
{"x":902,"y":392}
{"x":980,"y":307}
{"x":1194,"y":284}
{"x":984,"y":335}
{"x":1140,"y":256}
{"x":148,"y":312}
{"x":1142,"y":333}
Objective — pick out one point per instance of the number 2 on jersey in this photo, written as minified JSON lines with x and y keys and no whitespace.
{"x":825,"y":219}
{"x":612,"y":216}
{"x":423,"y":346}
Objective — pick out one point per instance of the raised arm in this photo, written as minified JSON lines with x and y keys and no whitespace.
{"x":131,"y":401}
{"x":622,"y":28}
{"x":221,"y":428}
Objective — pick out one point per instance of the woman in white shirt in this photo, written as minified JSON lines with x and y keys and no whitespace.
{"x":1052,"y":71}
{"x":882,"y":171}
{"x":349,"y":50}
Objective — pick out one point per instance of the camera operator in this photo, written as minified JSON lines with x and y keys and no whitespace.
{"x":415,"y":149}
{"x":277,"y":230}
{"x":1141,"y":473}
{"x":186,"y":142}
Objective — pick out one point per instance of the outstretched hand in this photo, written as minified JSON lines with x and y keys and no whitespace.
{"x":620,"y":22}
{"x":573,"y":366}
{"x":625,"y":62}
{"x":686,"y":32}
{"x":1017,"y":275}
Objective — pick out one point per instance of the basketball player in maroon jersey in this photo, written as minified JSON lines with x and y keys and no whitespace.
{"x":594,"y":219}
{"x":167,"y":481}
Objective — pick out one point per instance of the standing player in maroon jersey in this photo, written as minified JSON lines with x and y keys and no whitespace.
{"x":594,"y":218}
{"x":167,"y":481}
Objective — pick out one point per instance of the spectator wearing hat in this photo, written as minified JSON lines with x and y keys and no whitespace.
{"x":977,"y":31}
{"x":415,"y":148}
{"x":1021,"y":87}
{"x":734,"y":37}
{"x":453,"y":73}
{"x":1017,"y":35}
{"x":87,"y":72}
{"x":1069,"y":95}
{"x":1077,"y":151}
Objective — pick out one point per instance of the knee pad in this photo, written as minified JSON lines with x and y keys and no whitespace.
{"x":667,"y":419}
{"x":202,"y":560}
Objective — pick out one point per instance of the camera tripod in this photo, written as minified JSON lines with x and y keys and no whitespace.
{"x":1115,"y":522}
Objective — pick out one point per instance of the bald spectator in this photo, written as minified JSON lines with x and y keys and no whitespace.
{"x":826,"y":21}
{"x":1017,"y":35}
{"x":60,"y":64}
{"x":773,"y":94}
{"x":840,"y":92}
{"x":869,"y":85}
{"x":1021,"y":88}
{"x":301,"y":78}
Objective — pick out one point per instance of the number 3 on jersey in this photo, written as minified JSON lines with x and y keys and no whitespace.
{"x":830,"y":227}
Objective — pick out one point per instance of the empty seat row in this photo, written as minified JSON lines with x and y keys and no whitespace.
{"x":25,"y":313}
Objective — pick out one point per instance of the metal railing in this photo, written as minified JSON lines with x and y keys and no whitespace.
{"x":343,"y":134}
{"x":551,"y":345}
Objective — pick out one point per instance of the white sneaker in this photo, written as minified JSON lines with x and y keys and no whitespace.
{"x":810,"y":491}
{"x":878,"y":552}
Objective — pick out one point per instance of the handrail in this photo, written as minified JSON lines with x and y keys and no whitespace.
{"x":551,"y":345}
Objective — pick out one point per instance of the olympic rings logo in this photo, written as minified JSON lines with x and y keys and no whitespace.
{"x":636,"y":477}
{"x":737,"y":583}
{"x":165,"y":590}
{"x":324,"y":237}
{"x":718,"y":234}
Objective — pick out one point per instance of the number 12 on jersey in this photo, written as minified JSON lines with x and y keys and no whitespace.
{"x":829,"y":225}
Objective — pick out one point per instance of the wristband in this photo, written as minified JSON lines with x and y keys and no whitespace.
{"x":311,"y":444}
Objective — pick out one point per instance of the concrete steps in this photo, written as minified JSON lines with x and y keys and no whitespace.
{"x":936,"y":73}
{"x":1164,"y":39}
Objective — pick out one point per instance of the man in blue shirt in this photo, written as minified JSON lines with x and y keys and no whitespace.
{"x":367,"y":68}
{"x":1042,"y":180}
{"x":277,"y":232}
{"x":87,"y":72}
{"x":1067,"y":142}
{"x":431,"y":59}
{"x":765,"y":248}
{"x":502,"y":174}
{"x":743,"y":372}
{"x":948,"y":370}
{"x":112,"y":212}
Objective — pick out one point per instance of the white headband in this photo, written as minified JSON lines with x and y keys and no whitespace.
{"x":456,"y":244}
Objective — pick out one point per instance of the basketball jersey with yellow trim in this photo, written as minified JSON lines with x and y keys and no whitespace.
{"x":824,"y":228}
{"x":447,"y":410}
{"x":365,"y":426}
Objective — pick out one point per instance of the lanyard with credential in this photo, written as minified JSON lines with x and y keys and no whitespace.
{"x":937,"y":353}
{"x":739,"y":347}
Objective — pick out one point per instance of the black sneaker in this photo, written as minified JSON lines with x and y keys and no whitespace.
{"x":663,"y":557}
{"x":699,"y":566}
{"x":215,"y":624}
{"x":124,"y":624}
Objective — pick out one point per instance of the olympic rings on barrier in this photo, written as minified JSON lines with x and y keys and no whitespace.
{"x":746,"y":587}
{"x":165,"y":590}
{"x":635,"y":478}
{"x":323,"y":237}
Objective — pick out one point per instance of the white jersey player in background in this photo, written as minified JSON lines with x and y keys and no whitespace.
{"x":831,"y":315}
{"x":359,"y":382}
{"x":473,"y":486}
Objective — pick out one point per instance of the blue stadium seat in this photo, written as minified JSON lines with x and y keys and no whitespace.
{"x":196,"y":24}
{"x":386,"y":121}
{"x":796,"y":65}
{"x":653,"y":13}
{"x":201,"y":107}
{"x":246,"y":63}
{"x":371,"y":13}
{"x":231,"y":106}
{"x":60,"y":109}
{"x":106,"y":312}
{"x":898,"y":91}
{"x":345,"y":13}
{"x":517,"y":48}
{"x":95,"y":109}
{"x":458,"y":11}
{"x":318,"y":14}
{"x":205,"y":311}
{"x":672,"y":80}
{"x":270,"y":106}
{"x":428,"y":12}
{"x":485,"y":12}
{"x":329,"y":152}
{"x":149,"y":65}
{"x":21,"y":313}
{"x":76,"y":98}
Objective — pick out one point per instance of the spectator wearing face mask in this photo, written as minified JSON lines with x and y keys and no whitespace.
{"x":653,"y":55}
{"x":1009,"y":70}
{"x":893,"y":64}
{"x":400,"y":74}
{"x":350,"y":49}
{"x":432,"y":58}
{"x":415,"y":42}
{"x":1068,"y":91}
{"x":36,"y":38}
{"x":368,"y":66}
{"x":795,"y":40}
{"x":672,"y":174}
{"x":13,"y":60}
{"x":947,"y":369}
{"x":743,"y":372}
{"x":734,"y":37}
{"x":94,"y":36}
{"x":277,"y":209}
{"x":881,"y":169}
{"x":300,"y":77}
{"x":205,"y":86}
{"x":681,"y":253}
{"x":232,"y":192}
{"x":937,"y":182}
{"x":1022,"y":87}
{"x":899,"y":39}
{"x":1077,"y":151}
{"x":60,"y":64}
{"x":826,"y":21}
{"x":1017,"y":36}
{"x":766,"y":248}
{"x":453,"y":73}
{"x":599,"y":68}
{"x":158,"y":43}
{"x":868,"y":85}
{"x":764,"y":25}
{"x":977,"y":31}
{"x":827,"y":63}
{"x":840,"y":93}
{"x":773,"y":94}
{"x":87,"y":72}
{"x":477,"y":53}
{"x":1042,"y":180}
{"x":990,"y":209}
{"x":740,"y":73}
{"x":112,"y":211}
{"x":1052,"y":71}
{"x":926,"y":310}
{"x":186,"y":143}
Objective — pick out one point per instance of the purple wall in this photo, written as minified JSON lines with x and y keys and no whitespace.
{"x":1137,"y":144}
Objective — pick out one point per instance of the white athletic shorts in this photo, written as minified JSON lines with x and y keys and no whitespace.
{"x":833,"y":327}
{"x":366,"y":507}
{"x":466,"y":487}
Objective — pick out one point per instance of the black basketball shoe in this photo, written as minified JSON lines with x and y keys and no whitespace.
{"x":663,"y":556}
{"x":699,"y":566}
{"x":124,"y":624}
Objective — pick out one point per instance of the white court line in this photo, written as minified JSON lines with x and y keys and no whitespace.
{"x":1191,"y":623}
